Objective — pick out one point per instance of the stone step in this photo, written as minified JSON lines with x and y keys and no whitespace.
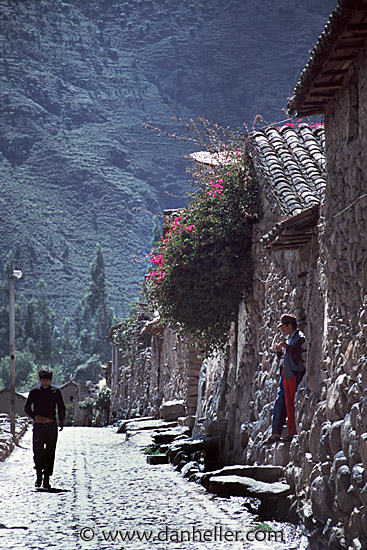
{"x":157,"y":459}
{"x":264,"y":473}
{"x":247,"y":487}
{"x":168,"y":436}
{"x":194,"y":445}
{"x":122,"y":427}
{"x":275,"y":497}
{"x":186,"y":421}
{"x":149,"y":425}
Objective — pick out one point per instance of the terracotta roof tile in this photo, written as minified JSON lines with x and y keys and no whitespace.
{"x":291,"y":161}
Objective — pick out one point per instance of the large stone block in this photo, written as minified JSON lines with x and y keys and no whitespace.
{"x":192,"y":391}
{"x":308,"y":465}
{"x":281,"y":454}
{"x":191,"y":402}
{"x":339,"y":460}
{"x":315,"y":431}
{"x":247,"y":487}
{"x":337,"y":398}
{"x":324,"y":451}
{"x":362,"y":424}
{"x":320,"y":498}
{"x":265,"y":473}
{"x":350,"y":357}
{"x":359,"y":477}
{"x":362,"y":448}
{"x":172,"y":410}
{"x":335,"y":441}
{"x":350,"y":441}
{"x":346,"y":495}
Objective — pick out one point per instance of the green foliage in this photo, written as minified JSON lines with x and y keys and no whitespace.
{"x":102,"y":404}
{"x":90,"y":370}
{"x":69,"y":352}
{"x":202,"y":266}
{"x":123,"y":335}
{"x":69,"y":415}
{"x":40,"y":331}
{"x":152,"y":450}
{"x":93,"y":316}
{"x":98,"y":409}
{"x":26,"y":371}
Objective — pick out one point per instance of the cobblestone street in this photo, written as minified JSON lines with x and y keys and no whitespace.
{"x":107,"y":493}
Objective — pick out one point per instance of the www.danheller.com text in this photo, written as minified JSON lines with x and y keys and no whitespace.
{"x":190,"y":534}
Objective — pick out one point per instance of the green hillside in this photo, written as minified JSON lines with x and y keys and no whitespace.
{"x":79,"y":78}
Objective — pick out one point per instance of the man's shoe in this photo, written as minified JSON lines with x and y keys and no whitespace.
{"x":287,"y":439}
{"x":46,"y":482}
{"x":38,"y":481}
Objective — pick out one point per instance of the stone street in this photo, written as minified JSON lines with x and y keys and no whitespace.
{"x":107,"y":497}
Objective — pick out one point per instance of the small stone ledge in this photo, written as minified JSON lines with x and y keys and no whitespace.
{"x":275,"y":503}
{"x":7,"y":442}
{"x":265,"y":473}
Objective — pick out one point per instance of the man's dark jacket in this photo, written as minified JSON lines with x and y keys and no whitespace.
{"x":43,"y":402}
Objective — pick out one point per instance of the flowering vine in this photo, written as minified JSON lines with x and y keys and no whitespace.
{"x":202,"y":266}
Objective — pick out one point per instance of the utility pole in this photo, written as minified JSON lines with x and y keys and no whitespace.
{"x":17,"y":274}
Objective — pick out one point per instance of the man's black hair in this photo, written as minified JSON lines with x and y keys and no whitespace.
{"x":45,"y":373}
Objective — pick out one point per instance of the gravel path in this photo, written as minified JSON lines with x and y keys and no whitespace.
{"x":105,"y":493}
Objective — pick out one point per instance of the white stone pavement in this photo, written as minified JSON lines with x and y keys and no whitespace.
{"x":106,"y":490}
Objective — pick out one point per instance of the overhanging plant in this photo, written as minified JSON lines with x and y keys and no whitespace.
{"x":202,"y":266}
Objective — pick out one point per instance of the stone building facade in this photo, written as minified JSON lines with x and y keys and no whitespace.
{"x":310,"y":258}
{"x":324,"y":282}
{"x":239,"y":388}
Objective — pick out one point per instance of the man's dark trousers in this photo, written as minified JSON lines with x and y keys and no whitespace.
{"x":44,"y":446}
{"x":280,"y":411}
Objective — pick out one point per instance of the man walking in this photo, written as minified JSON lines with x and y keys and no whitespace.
{"x":41,"y":406}
{"x":291,"y":372}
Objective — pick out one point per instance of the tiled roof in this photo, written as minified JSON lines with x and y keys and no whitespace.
{"x":344,"y":35}
{"x":292,"y":163}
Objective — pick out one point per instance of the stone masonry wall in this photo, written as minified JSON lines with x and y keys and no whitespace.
{"x":339,"y":476}
{"x":325,"y":285}
{"x":164,"y":367}
{"x":240,"y":388}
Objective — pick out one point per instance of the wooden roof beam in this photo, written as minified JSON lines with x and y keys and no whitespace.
{"x":341,"y":58}
{"x":335,"y":73}
{"x":357,"y":27}
{"x":351,"y":45}
{"x":329,"y":85}
{"x":321,"y":94}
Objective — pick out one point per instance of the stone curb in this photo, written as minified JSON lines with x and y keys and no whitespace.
{"x":7,"y":443}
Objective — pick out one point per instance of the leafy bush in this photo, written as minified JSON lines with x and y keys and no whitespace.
{"x":202,"y":266}
{"x":123,"y":335}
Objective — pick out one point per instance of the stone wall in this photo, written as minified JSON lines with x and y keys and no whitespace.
{"x":163,"y":368}
{"x":241,"y":387}
{"x":325,"y":285}
{"x":135,"y":380}
{"x":339,"y":476}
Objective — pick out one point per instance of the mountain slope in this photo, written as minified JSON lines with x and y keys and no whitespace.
{"x":78,"y":80}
